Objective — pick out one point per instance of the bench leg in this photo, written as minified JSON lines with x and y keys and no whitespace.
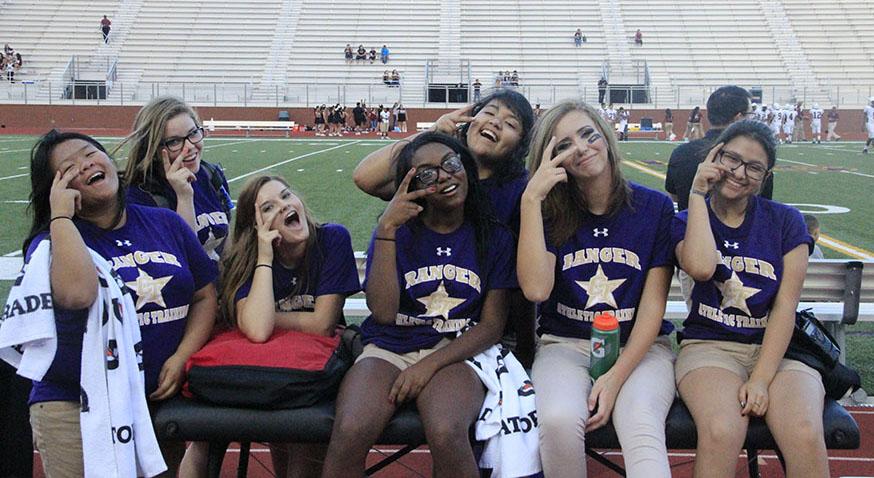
{"x":215,"y":457}
{"x":243,"y":465}
{"x":604,"y":461}
{"x":753,"y":462}
{"x":390,"y":459}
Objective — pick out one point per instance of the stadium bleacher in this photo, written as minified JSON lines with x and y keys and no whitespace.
{"x":290,"y":51}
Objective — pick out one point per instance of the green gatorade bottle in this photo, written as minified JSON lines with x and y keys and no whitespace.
{"x":605,"y":344}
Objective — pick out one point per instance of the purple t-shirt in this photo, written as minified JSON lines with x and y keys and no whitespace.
{"x":603,"y":267}
{"x":734,"y":304}
{"x":210,"y":218}
{"x":506,"y":199}
{"x":160,"y":260}
{"x":331,"y":270}
{"x":442,"y":287}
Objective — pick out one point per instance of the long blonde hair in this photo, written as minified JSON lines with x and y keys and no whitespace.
{"x":565,"y":208}
{"x":144,"y":165}
{"x":240,"y":255}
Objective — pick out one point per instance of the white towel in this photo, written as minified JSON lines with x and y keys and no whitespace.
{"x":117,"y":435}
{"x":508,"y":420}
{"x":28,"y":338}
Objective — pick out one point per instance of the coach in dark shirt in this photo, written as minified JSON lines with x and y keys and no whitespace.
{"x":724,"y":106}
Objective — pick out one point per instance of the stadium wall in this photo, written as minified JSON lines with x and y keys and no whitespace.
{"x":116,"y":120}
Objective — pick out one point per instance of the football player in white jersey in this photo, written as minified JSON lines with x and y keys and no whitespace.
{"x":775,"y":120}
{"x":816,"y":114}
{"x":868,"y":114}
{"x":763,"y":114}
{"x":788,"y":122}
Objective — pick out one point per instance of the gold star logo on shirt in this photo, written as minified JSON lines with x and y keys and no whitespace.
{"x":148,"y":289}
{"x":439,"y":303}
{"x":735,"y":294}
{"x":600,"y":289}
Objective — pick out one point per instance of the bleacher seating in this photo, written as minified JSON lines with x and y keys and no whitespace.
{"x":291,"y":51}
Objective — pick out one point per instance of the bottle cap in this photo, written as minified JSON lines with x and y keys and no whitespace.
{"x":606,"y":321}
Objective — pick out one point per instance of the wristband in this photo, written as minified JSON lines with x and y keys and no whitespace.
{"x":60,"y":217}
{"x":384,"y":239}
{"x":700,"y":193}
{"x":264,"y":265}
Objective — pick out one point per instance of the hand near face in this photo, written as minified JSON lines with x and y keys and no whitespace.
{"x":709,"y":172}
{"x":549,"y":173}
{"x":63,"y":200}
{"x":179,"y":177}
{"x":403,"y":207}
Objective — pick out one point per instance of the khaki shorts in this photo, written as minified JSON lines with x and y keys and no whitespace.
{"x":732,"y":356}
{"x":401,"y":361}
{"x":57,"y":436}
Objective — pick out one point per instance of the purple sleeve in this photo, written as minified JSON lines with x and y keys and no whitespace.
{"x":502,"y":255}
{"x":135,"y":195}
{"x":243,"y":291}
{"x":795,"y":231}
{"x":662,"y":251}
{"x":369,"y":261}
{"x":339,"y":274}
{"x":678,"y":229}
{"x":34,"y":243}
{"x":203,"y":269}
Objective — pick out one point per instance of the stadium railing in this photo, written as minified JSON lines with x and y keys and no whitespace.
{"x":839,"y":292}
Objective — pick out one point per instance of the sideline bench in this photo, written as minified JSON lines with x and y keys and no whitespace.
{"x":247,"y":126}
{"x":839,"y":292}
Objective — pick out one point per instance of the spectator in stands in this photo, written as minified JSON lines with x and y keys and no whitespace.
{"x":514,"y":78}
{"x":395,"y":78}
{"x":8,"y":50}
{"x":638,"y":37}
{"x":731,"y":363}
{"x":537,"y":111}
{"x":383,"y":54}
{"x":386,"y":77}
{"x":477,"y":87}
{"x":372,"y":55}
{"x":105,"y":27}
{"x":19,"y":62}
{"x":348,"y":53}
{"x":725,"y":106}
{"x":669,"y":125}
{"x":577,"y":187}
{"x":602,"y":90}
{"x":833,"y":118}
{"x":361,"y":54}
{"x":578,"y":38}
{"x":10,"y":69}
{"x":402,"y":117}
{"x":812,"y":224}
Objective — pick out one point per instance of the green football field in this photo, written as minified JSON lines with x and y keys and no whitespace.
{"x":830,"y":180}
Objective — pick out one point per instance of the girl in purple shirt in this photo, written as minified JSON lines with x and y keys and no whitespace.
{"x":592,"y":242}
{"x":78,"y":203}
{"x":437,"y":265}
{"x":748,"y":257}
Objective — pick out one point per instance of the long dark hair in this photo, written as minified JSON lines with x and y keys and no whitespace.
{"x":476,"y":205}
{"x":42,"y":177}
{"x":513,"y":166}
{"x":239,"y":257}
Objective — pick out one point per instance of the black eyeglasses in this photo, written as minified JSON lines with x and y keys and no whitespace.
{"x":428,"y":175}
{"x":752,"y":170}
{"x":175,"y":144}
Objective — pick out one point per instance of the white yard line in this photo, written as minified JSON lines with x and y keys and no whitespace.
{"x":15,"y":176}
{"x":267,"y":168}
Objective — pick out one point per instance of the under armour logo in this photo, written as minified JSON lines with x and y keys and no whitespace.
{"x":122,"y":243}
{"x":600,"y":232}
{"x":444,"y":252}
{"x":731,"y":245}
